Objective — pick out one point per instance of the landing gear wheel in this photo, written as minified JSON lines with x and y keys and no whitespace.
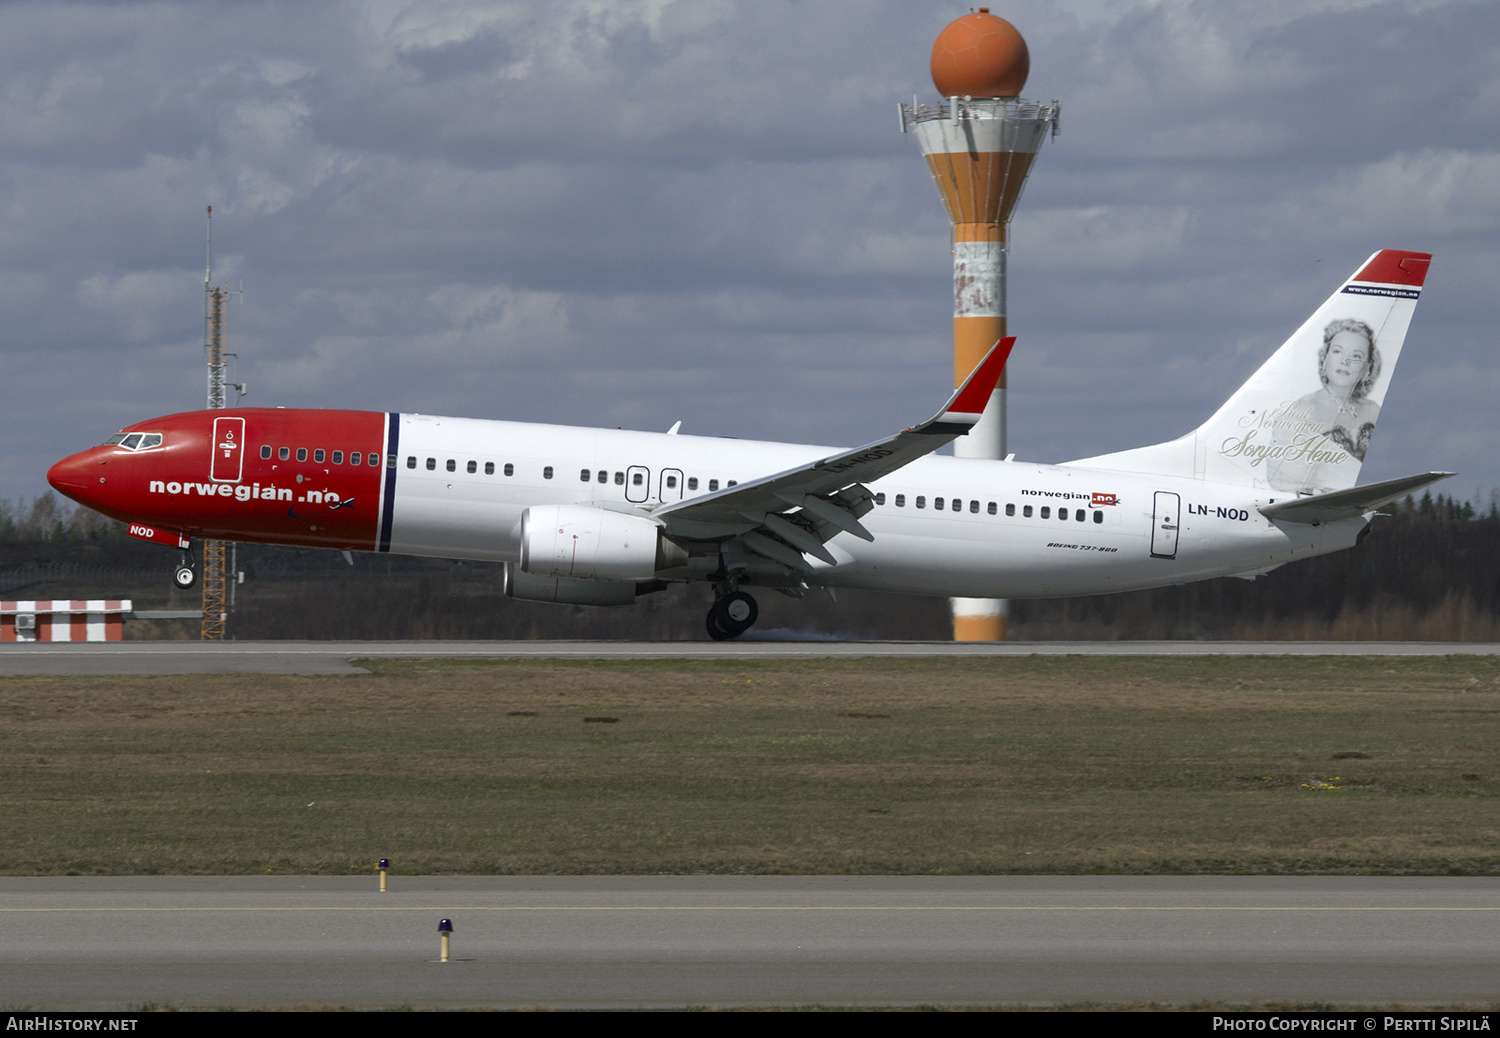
{"x":184,"y":577}
{"x":731,"y":616}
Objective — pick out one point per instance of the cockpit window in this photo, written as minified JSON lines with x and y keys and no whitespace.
{"x":134,"y":441}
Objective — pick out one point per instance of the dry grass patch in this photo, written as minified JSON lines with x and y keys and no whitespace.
{"x":926,"y":766}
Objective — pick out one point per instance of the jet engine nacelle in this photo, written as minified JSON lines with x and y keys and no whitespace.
{"x":522,"y":585}
{"x":582,"y":543}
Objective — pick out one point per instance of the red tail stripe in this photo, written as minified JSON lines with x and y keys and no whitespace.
{"x":1393,"y":267}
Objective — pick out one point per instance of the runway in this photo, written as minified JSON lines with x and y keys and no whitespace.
{"x":333,"y":657}
{"x":88,"y":943}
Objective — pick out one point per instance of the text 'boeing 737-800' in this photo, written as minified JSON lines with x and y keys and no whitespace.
{"x":600,"y":517}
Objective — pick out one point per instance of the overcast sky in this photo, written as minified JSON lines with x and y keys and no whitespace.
{"x":629,"y":213}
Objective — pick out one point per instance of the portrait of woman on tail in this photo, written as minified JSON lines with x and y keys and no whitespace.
{"x":1348,"y":365}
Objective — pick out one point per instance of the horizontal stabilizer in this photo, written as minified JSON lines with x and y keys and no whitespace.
{"x":1351,"y":503}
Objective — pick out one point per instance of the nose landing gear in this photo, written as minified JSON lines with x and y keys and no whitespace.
{"x":185,"y":575}
{"x":731,"y":615}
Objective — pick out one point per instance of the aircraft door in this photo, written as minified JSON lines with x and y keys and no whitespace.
{"x":1166,"y":518}
{"x":637,"y":483}
{"x":671,"y":485}
{"x":228,"y":450}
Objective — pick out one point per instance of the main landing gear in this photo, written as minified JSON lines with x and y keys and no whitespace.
{"x":731,"y":615}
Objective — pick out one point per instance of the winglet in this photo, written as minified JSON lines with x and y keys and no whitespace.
{"x":969,"y":400}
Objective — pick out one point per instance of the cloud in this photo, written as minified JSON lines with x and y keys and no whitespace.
{"x":622,"y":213}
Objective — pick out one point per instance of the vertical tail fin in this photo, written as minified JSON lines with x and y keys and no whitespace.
{"x":1304,"y":421}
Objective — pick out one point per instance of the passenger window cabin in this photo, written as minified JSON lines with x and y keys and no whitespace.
{"x":638,"y":479}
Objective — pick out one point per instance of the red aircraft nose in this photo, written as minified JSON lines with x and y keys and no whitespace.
{"x":77,"y":476}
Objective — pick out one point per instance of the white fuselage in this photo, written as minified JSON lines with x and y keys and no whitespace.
{"x":1006,"y":539}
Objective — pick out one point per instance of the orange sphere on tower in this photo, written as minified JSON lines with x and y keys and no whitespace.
{"x":980,"y":55}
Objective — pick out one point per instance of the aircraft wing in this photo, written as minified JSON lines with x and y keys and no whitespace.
{"x":784,"y":515}
{"x":1351,"y":503}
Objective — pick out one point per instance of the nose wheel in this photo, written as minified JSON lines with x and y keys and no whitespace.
{"x":184,"y":575}
{"x":731,"y":616}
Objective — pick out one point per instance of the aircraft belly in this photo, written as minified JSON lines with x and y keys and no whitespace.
{"x":972,"y":559}
{"x":1041,"y":559}
{"x":433,"y":517}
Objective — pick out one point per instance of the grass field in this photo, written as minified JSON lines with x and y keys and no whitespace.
{"x":1015,"y":765}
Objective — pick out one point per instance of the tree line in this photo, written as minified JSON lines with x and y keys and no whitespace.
{"x":47,"y":518}
{"x":1428,"y":570}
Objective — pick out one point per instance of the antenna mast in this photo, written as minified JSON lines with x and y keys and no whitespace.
{"x":213,"y":329}
{"x":216,"y":562}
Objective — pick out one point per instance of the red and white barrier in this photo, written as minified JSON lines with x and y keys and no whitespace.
{"x":64,"y":620}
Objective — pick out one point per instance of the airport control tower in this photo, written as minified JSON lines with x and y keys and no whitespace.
{"x":979,"y":143}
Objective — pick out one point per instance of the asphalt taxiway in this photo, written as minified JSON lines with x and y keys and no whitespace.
{"x":334,"y":657}
{"x":90,"y":943}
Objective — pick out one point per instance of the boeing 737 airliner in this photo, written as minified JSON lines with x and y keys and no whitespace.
{"x":600,"y":517}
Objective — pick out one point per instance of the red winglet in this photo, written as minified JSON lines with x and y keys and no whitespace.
{"x":1393,"y":267}
{"x":974,"y":395}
